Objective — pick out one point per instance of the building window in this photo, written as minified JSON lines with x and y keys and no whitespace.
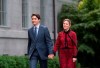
{"x":24,"y":14}
{"x":2,"y":12}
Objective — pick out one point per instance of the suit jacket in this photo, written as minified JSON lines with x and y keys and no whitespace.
{"x":42,"y":43}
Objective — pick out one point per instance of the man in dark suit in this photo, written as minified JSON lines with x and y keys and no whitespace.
{"x":39,"y":43}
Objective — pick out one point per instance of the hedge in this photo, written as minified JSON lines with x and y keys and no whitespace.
{"x":23,"y":62}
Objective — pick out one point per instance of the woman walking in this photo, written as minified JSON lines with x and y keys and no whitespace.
{"x":66,"y":44}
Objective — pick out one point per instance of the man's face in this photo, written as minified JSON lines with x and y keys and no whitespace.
{"x":35,"y":20}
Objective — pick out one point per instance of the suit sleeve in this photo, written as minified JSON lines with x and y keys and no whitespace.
{"x":48,"y":41}
{"x":75,"y":50}
{"x":29,"y":43}
{"x":57,"y":43}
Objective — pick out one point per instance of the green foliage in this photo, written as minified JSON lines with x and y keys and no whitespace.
{"x":78,"y":65}
{"x":84,"y":47}
{"x":53,"y":63}
{"x":23,"y":62}
{"x":82,"y":4}
{"x":88,"y":35}
{"x":89,"y":5}
{"x":13,"y":62}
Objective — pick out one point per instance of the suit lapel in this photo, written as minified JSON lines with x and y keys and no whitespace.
{"x":32,"y":34}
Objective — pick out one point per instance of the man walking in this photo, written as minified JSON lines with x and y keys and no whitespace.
{"x":39,"y":43}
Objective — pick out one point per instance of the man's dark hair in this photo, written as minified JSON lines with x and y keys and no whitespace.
{"x":37,"y":15}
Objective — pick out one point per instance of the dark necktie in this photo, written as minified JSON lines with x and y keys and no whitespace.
{"x":35,"y":32}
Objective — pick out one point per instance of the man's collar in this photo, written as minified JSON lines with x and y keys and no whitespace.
{"x":37,"y":25}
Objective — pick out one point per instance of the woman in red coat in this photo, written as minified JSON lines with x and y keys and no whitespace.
{"x":66,"y":44}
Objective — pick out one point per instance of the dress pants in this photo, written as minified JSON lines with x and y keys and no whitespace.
{"x":34,"y":60}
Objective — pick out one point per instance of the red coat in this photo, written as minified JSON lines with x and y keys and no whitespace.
{"x":66,"y":44}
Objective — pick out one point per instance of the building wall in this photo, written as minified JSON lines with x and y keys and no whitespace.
{"x":13,"y":38}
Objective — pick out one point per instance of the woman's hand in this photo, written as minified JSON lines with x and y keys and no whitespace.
{"x":74,"y":59}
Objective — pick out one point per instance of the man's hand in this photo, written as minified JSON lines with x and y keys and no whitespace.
{"x":51,"y":56}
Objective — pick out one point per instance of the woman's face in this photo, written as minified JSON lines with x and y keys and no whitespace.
{"x":66,"y":25}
